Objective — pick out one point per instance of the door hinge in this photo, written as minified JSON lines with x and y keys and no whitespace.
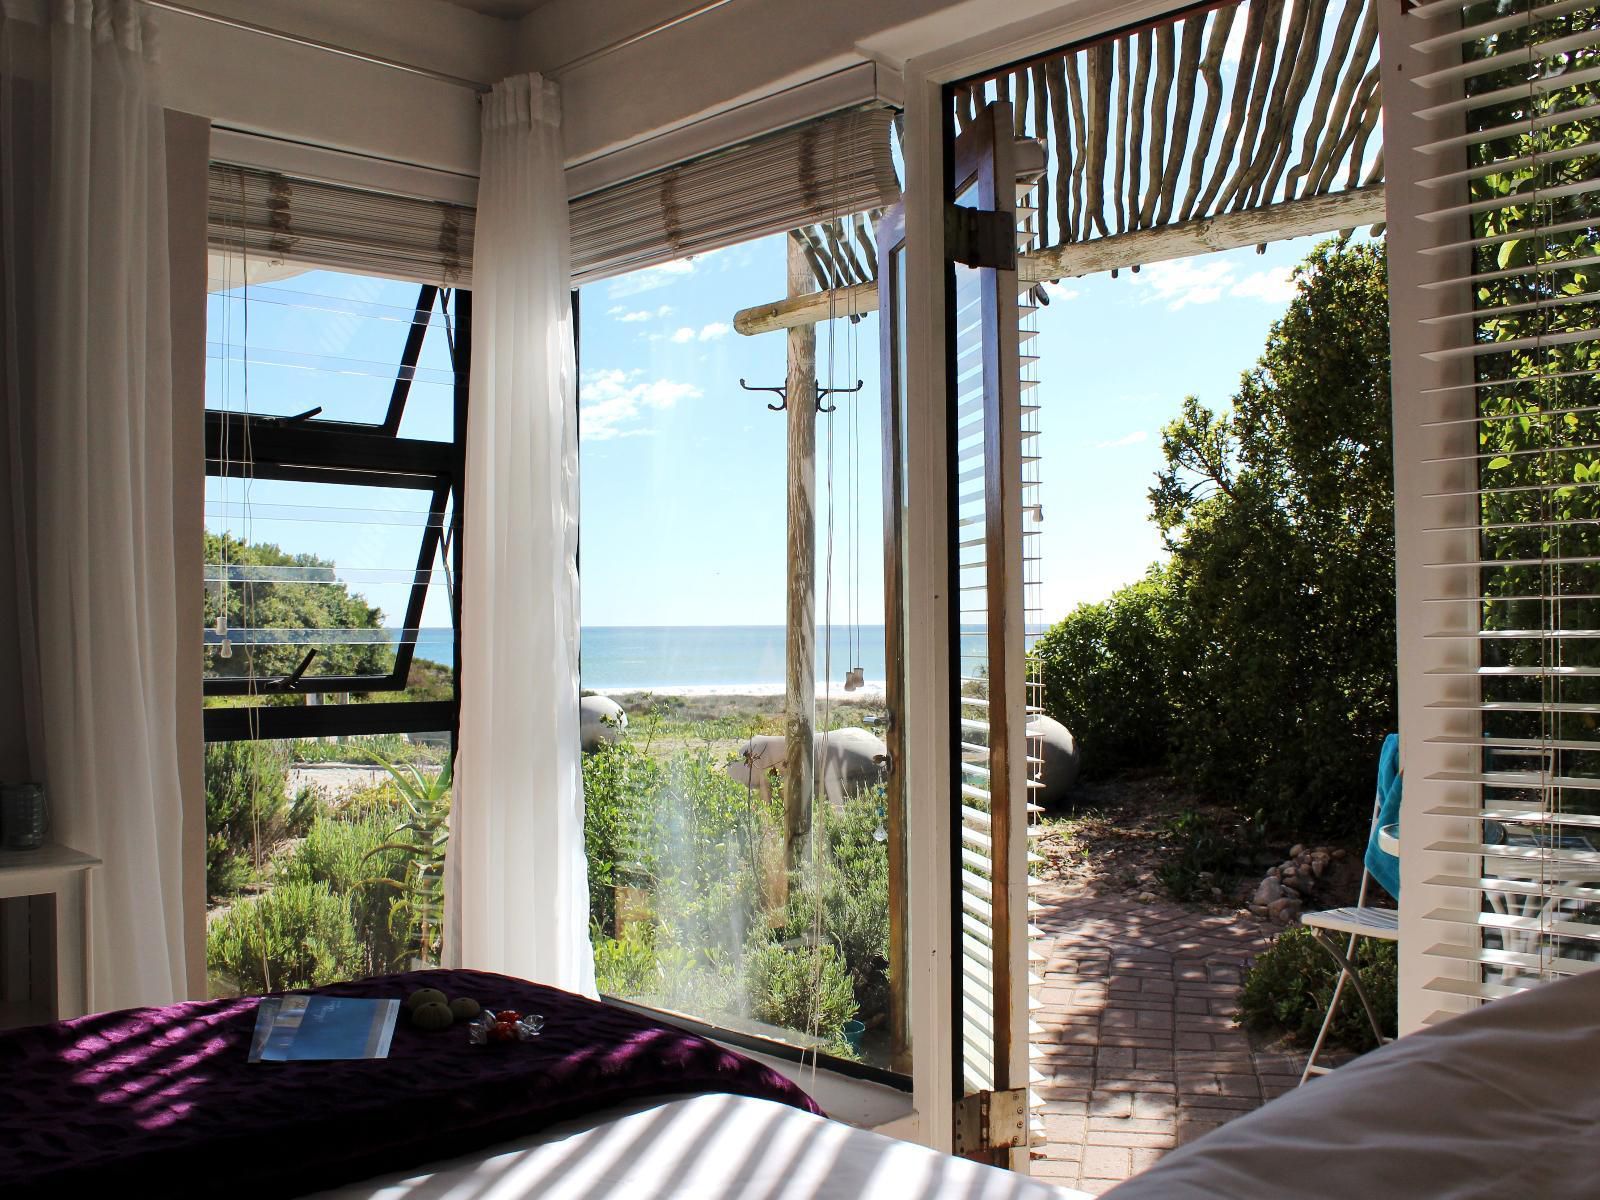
{"x":980,"y":238}
{"x":991,"y":1121}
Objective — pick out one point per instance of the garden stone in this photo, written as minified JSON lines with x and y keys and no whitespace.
{"x":847,"y":761}
{"x":1269,"y":892}
{"x":1298,"y":850}
{"x":601,"y":722}
{"x":1059,"y":749}
{"x":1284,"y":910}
{"x":1147,"y":897}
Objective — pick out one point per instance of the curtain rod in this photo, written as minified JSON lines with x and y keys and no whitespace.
{"x":330,"y":47}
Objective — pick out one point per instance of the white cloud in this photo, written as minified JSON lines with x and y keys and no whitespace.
{"x":1207,"y":280}
{"x":1185,"y":281}
{"x":1057,"y":290}
{"x":622,"y":313}
{"x":650,"y":278}
{"x":1127,"y":439}
{"x":713,"y":331}
{"x":685,"y":334}
{"x":612,"y":400}
{"x":1275,"y":286}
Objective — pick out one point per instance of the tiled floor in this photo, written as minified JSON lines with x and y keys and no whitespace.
{"x":1141,"y":1050}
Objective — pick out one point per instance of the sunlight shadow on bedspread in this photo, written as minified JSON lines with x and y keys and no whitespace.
{"x":708,"y":1147}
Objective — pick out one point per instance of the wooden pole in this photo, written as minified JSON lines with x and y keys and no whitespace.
{"x":1274,"y":222}
{"x":800,"y":692}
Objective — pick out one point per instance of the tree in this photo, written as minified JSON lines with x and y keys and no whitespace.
{"x":313,"y":599}
{"x":1259,"y":662}
{"x":1279,"y":518}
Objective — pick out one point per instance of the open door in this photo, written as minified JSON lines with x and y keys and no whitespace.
{"x":989,"y":708}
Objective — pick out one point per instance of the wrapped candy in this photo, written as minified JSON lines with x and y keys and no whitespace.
{"x":493,"y":1028}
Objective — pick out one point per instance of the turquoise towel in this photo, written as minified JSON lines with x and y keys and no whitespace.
{"x":1383,"y":866}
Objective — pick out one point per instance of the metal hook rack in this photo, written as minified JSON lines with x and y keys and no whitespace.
{"x":783,"y":395}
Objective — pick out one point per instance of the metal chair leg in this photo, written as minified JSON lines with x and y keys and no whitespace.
{"x":1322,"y":1034}
{"x":1348,"y":970}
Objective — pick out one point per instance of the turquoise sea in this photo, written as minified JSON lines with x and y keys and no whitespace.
{"x":661,"y":656}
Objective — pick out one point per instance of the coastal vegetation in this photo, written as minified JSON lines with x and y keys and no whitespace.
{"x":1257,"y":662}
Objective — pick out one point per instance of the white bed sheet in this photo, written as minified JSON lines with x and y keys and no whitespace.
{"x":707,"y":1147}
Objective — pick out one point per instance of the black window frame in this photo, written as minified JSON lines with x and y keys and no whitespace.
{"x":308,"y":449}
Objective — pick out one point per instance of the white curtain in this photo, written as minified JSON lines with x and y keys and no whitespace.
{"x":87,"y":441}
{"x":519,"y":888}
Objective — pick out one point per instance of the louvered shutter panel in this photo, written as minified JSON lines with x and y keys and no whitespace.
{"x":1507,"y":136}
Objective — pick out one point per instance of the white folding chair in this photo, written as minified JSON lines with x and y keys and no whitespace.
{"x":1358,"y":921}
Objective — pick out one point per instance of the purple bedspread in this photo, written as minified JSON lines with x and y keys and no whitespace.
{"x":162,"y":1102}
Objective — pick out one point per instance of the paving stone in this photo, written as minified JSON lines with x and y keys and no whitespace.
{"x":1141,"y":1049}
{"x":1107,"y":1162}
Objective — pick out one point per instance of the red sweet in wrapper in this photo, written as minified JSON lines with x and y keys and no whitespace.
{"x":508,"y":1014}
{"x":503,"y":1031}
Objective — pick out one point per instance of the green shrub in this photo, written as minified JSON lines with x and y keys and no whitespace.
{"x":1288,"y":988}
{"x":805,"y":988}
{"x":851,"y":881}
{"x":246,"y":807}
{"x":1106,"y":669}
{"x":1258,"y":662}
{"x":346,"y":855}
{"x":1211,"y":851}
{"x":297,"y":935}
{"x":625,"y":966}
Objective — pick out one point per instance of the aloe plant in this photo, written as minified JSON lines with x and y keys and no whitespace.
{"x":422,"y":836}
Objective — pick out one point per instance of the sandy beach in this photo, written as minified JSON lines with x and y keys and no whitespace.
{"x":872,"y":691}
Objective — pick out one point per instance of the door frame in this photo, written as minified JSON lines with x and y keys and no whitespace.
{"x":927,"y":138}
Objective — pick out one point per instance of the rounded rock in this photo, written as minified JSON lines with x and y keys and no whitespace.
{"x":425,"y":996}
{"x":432,"y":1016}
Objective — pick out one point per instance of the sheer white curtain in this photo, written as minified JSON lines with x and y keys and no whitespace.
{"x":519,"y":888}
{"x":87,"y":454}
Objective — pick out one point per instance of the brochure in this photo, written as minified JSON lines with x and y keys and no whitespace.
{"x":306,"y":1028}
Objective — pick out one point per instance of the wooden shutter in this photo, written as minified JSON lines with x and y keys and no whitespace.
{"x":1497,"y":353}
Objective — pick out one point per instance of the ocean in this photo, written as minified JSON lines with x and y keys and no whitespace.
{"x":664,"y":656}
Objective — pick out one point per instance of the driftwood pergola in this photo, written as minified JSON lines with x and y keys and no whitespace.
{"x":1232,"y":125}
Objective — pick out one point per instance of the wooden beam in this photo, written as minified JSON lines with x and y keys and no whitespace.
{"x":1303,"y":217}
{"x":800,"y":684}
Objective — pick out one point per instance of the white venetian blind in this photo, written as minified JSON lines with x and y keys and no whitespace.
{"x":268,"y":215}
{"x":827,"y":168}
{"x":1515,"y":584}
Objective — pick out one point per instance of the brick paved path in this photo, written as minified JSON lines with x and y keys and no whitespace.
{"x":1141,"y":1050}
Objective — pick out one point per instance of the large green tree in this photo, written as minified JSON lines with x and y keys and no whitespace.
{"x":1280,"y":519}
{"x":312,"y":599}
{"x":1259,"y":661}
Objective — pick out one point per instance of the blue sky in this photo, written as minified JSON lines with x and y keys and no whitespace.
{"x":683,"y":473}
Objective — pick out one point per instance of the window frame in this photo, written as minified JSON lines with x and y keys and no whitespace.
{"x":309,"y":450}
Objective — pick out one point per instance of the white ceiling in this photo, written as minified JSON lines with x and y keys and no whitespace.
{"x":499,"y":8}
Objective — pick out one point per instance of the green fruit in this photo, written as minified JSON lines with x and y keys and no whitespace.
{"x":425,"y":996}
{"x":432,"y":1015}
{"x":464,"y":1008}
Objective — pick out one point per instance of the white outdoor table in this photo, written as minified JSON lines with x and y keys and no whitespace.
{"x":63,"y":873}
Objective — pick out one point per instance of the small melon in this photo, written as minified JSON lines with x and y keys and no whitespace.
{"x":425,"y":996}
{"x":432,"y":1015}
{"x":464,"y":1008}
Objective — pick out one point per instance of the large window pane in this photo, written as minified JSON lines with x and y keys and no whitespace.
{"x":324,"y":858}
{"x":685,"y":577}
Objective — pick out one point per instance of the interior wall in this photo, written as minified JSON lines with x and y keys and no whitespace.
{"x":248,"y":81}
{"x":188,"y":154}
{"x":730,"y":56}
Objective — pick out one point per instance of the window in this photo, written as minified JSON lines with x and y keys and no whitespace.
{"x":335,"y":420}
{"x":695,"y":907}
{"x":1504,"y":516}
